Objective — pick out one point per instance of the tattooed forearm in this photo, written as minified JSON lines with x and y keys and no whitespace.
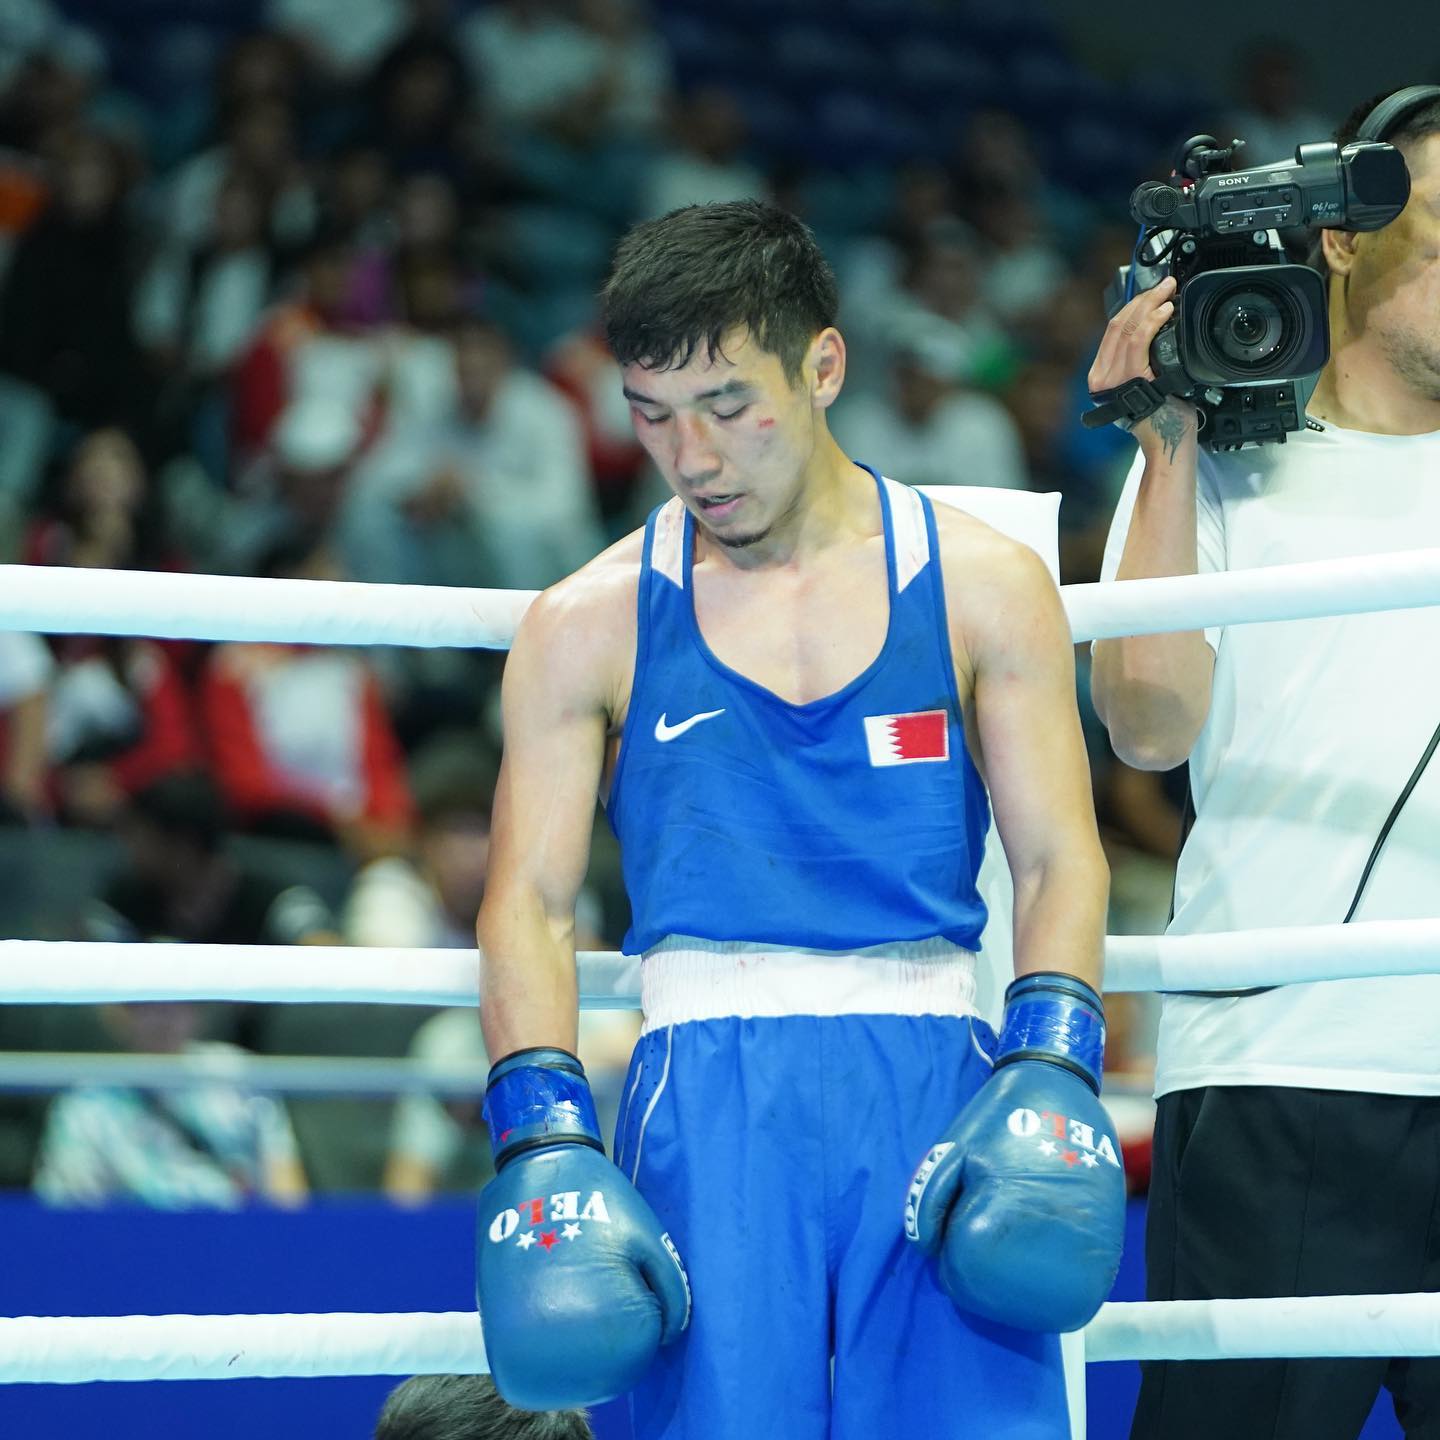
{"x":1171,"y":425}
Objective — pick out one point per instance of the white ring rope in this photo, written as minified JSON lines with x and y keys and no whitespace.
{"x":1353,"y":585}
{"x":92,"y":972}
{"x":95,"y":972}
{"x":56,"y":600}
{"x":1384,"y":1326}
{"x":1279,"y":955}
{"x":73,"y":1350}
{"x":47,"y":1071}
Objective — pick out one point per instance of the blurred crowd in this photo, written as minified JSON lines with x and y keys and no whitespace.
{"x":306,"y":289}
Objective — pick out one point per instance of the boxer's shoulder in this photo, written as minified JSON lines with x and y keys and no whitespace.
{"x":997,"y":589}
{"x":981,"y":554}
{"x":582,"y":629}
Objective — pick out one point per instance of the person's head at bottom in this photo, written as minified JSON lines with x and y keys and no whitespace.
{"x":468,"y":1407}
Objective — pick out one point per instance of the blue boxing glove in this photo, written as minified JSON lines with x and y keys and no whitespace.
{"x":1023,"y":1200}
{"x":577,"y":1285}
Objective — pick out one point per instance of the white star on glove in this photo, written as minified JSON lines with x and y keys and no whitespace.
{"x":526,"y":1240}
{"x":1048,"y":1147}
{"x":1089,"y":1160}
{"x":571,"y":1231}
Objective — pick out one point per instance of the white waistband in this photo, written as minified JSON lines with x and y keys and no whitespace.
{"x":684,"y":978}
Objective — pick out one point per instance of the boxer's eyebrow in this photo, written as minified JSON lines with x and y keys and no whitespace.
{"x":730,"y":387}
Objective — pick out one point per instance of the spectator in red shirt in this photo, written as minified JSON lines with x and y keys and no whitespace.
{"x":580,"y":365}
{"x":263,"y":382}
{"x":300,"y":736}
{"x":120,"y":712}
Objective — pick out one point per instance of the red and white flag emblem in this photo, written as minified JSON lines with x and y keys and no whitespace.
{"x":908,"y":739}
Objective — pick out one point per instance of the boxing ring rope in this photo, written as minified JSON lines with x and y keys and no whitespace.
{"x":55,"y":600}
{"x":47,"y":1071}
{"x":92,"y":972}
{"x":73,"y":1350}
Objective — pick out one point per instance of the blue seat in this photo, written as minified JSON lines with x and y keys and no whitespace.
{"x":813,"y":59}
{"x":775,"y":122}
{"x":1099,"y":160}
{"x":856,"y":128}
{"x":704,"y":51}
{"x":949,"y":79}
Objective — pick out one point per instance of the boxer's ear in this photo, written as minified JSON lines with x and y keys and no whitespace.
{"x":825,"y":367}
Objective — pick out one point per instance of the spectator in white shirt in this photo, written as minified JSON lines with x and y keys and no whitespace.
{"x":585,"y":77}
{"x":499,"y":493}
{"x":197,"y":310}
{"x":930,"y":429}
{"x":707,"y":162}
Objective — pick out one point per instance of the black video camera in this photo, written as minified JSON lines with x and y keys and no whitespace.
{"x":1250,"y":332}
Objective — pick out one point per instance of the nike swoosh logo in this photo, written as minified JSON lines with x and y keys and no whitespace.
{"x":664,"y":732}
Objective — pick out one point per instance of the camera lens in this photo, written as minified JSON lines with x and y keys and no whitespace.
{"x":1240,"y":325}
{"x":1247,"y":327}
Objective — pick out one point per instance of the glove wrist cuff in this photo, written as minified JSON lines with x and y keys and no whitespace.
{"x":539,"y":1097}
{"x":1055,"y":1018}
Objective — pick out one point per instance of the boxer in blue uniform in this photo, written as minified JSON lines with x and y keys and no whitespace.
{"x":839,"y":1205}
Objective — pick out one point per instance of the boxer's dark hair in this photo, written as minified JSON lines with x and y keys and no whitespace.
{"x":1417,"y":126}
{"x":684,"y":282}
{"x":468,"y":1407}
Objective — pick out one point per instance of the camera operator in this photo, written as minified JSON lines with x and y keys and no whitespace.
{"x":1297,"y":1144}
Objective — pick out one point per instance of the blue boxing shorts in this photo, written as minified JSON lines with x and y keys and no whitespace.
{"x":776,"y":1145}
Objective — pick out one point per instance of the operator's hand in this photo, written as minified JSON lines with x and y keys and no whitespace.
{"x":1124,"y":354}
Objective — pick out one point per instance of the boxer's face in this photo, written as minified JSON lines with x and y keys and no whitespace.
{"x":732,"y":435}
{"x":1393,"y":287}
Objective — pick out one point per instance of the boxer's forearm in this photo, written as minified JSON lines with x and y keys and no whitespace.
{"x":528,"y":991}
{"x":1060,"y":910}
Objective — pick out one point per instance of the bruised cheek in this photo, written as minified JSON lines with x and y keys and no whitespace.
{"x":767,"y":441}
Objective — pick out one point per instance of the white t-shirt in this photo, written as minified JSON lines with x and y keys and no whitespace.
{"x":1314,"y":728}
{"x":25,"y":667}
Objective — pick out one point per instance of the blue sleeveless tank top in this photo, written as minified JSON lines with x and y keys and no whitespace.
{"x":858,"y":819}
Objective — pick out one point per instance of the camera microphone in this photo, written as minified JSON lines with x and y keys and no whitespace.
{"x":1154,"y":202}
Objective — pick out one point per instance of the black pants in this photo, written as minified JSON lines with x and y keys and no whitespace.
{"x":1266,"y":1191}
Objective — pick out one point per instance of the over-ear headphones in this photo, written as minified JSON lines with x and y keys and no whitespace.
{"x":1393,"y":110}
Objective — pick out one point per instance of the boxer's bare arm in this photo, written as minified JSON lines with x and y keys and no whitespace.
{"x":573,"y":653}
{"x":1014,"y":647}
